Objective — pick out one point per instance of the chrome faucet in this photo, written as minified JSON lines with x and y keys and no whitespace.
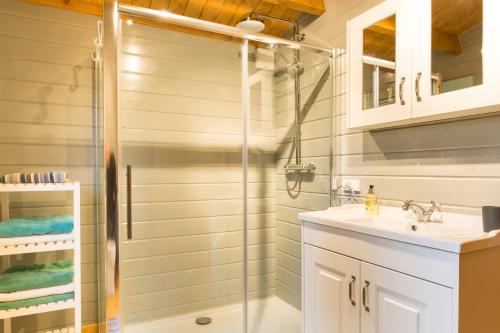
{"x":422,"y":214}
{"x":349,"y":194}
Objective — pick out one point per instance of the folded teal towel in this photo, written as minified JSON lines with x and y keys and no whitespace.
{"x":30,"y":226}
{"x":27,"y":277}
{"x":35,"y":301}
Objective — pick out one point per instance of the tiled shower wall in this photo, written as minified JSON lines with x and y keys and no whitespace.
{"x":47,"y":124}
{"x":456,"y":163}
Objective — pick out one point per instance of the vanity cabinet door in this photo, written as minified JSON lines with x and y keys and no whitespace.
{"x":379,"y":52}
{"x":331,"y":292}
{"x":456,"y":58}
{"x":392,"y":302}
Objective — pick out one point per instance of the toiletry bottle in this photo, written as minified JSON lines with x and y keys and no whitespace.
{"x":371,"y":202}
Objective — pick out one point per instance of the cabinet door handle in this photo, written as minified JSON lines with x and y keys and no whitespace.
{"x":417,"y":86}
{"x":351,"y":290}
{"x":365,"y":296}
{"x":401,"y":93}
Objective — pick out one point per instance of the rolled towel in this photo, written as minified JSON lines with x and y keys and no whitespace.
{"x":35,"y":178}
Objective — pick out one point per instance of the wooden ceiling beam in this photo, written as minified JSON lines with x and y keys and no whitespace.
{"x":446,"y":42}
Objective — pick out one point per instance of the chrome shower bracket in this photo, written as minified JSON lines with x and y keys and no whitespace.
{"x":308,"y":167}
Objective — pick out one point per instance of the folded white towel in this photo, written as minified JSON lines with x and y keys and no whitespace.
{"x":34,"y":293}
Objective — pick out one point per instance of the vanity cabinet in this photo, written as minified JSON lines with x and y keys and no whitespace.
{"x":418,"y":61}
{"x":346,"y":295}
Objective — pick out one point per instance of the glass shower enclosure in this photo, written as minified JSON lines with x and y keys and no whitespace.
{"x":201,"y":203}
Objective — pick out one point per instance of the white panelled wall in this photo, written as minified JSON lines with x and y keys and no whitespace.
{"x":46,"y":124}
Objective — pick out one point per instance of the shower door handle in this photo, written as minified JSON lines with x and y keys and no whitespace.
{"x":129,"y":202}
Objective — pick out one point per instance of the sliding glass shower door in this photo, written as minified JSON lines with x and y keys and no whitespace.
{"x":221,"y":143}
{"x":182,"y":180}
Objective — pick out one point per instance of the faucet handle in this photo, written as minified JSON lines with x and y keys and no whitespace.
{"x":436,"y":206}
{"x":407,"y":204}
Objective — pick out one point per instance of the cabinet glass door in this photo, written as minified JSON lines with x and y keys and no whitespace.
{"x":380,"y":65}
{"x":453,"y":55}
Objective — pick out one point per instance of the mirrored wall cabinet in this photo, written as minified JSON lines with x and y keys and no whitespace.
{"x":418,"y":61}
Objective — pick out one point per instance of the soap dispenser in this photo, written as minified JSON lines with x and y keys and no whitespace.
{"x":371,"y":202}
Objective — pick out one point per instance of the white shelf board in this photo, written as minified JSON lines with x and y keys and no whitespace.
{"x":37,"y":247}
{"x":45,"y":187}
{"x":62,"y":305}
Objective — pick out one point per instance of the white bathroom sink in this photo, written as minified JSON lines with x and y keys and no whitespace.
{"x":447,"y":231}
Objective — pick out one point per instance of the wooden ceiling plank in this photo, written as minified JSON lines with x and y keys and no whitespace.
{"x":227,"y":11}
{"x":313,"y":7}
{"x":177,"y":6}
{"x":142,"y":3}
{"x":194,"y":8}
{"x":211,"y":10}
{"x":456,"y":17}
{"x":159,"y":4}
{"x":243,"y":11}
{"x":280,"y":28}
{"x":263,"y":7}
{"x":74,"y":5}
{"x":276,"y":11}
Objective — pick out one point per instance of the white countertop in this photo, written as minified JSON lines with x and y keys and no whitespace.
{"x":458,"y":233}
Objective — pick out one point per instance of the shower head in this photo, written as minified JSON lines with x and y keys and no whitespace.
{"x":250,"y":24}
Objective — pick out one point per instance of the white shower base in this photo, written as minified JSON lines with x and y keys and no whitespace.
{"x":271,"y":315}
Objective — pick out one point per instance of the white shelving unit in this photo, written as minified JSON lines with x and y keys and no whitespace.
{"x":36,"y":244}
